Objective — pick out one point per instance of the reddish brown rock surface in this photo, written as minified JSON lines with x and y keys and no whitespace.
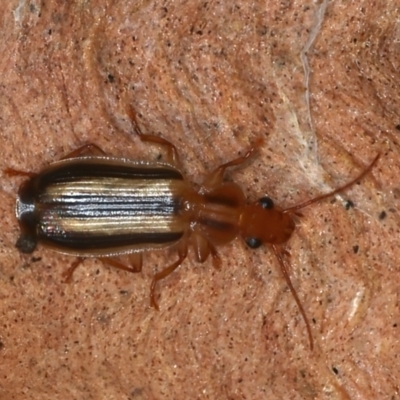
{"x":319,"y":82}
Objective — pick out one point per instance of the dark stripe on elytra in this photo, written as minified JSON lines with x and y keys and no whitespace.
{"x":73,"y":172}
{"x":83,"y":206}
{"x":83,"y":241}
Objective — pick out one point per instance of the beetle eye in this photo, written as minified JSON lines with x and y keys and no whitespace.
{"x":253,"y":243}
{"x":266,"y":203}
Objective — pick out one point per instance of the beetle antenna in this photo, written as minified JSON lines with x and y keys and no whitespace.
{"x":286,"y":275}
{"x":340,"y":189}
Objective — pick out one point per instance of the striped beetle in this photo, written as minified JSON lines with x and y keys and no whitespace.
{"x":92,"y":205}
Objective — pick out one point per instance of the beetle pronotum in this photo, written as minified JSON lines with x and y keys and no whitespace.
{"x":91,"y":205}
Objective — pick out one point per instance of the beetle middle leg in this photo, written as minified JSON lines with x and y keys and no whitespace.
{"x":172,"y":152}
{"x":182,"y":253}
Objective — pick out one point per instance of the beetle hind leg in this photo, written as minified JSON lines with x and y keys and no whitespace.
{"x":67,"y":274}
{"x":16,"y":172}
{"x":133,"y":263}
{"x":88,"y":149}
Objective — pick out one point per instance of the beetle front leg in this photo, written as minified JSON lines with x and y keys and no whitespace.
{"x":203,"y":249}
{"x":216,"y":177}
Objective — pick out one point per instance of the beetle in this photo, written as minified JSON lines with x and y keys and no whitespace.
{"x":91,"y":205}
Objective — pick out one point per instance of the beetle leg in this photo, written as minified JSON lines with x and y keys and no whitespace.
{"x":172,"y":152}
{"x":200,"y":246}
{"x":70,"y":271}
{"x":134,"y":262}
{"x":216,"y":258}
{"x":216,"y":177}
{"x":203,"y":249}
{"x":89,"y":149}
{"x":182,"y":252}
{"x":16,"y":172}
